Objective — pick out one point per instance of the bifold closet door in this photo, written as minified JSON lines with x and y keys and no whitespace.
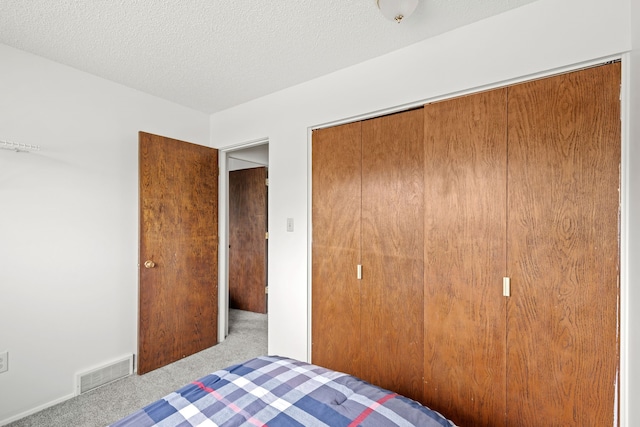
{"x":465,"y":218}
{"x":336,"y":201}
{"x":563,"y":249}
{"x":392,"y":252}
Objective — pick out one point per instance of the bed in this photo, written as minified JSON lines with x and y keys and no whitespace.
{"x":276,"y":391}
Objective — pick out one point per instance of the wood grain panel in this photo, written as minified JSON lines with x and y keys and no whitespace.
{"x":465,"y":200}
{"x":392,"y":252}
{"x":178,"y":309}
{"x":564,"y":157}
{"x":336,"y":210}
{"x":247,"y":243}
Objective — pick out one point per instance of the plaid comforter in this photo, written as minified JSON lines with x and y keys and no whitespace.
{"x":275,"y":391}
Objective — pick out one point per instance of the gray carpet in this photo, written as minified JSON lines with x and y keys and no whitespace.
{"x":247,"y":339}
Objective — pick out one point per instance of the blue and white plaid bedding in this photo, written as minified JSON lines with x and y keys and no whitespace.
{"x":276,"y":391}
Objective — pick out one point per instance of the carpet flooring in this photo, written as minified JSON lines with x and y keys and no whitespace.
{"x":100,"y":407}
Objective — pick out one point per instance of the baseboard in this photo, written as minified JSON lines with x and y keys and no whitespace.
{"x":36,"y":409}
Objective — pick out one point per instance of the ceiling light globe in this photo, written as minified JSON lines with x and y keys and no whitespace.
{"x":397,"y":10}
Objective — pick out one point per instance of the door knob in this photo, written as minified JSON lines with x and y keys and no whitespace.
{"x":149,"y":264}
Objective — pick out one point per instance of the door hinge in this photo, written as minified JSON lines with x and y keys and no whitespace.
{"x":359,"y":272}
{"x":506,"y":287}
{"x":266,"y":235}
{"x":266,"y":289}
{"x":266,"y":182}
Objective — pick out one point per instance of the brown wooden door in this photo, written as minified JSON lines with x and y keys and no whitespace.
{"x":367,"y":209}
{"x":563,"y":249}
{"x":336,"y":241}
{"x":465,"y":226}
{"x":247,"y":239}
{"x":178,"y":295}
{"x":392,"y":252}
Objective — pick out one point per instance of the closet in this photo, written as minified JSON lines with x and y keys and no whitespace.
{"x":515,"y":207}
{"x":524,"y":185}
{"x":368,"y":211}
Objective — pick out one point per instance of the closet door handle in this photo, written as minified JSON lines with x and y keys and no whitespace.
{"x":506,"y":286}
{"x":359,"y":272}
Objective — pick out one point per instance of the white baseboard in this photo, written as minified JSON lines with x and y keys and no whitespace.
{"x":36,"y":409}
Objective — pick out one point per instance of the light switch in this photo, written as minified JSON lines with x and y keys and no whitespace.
{"x":289,"y":224}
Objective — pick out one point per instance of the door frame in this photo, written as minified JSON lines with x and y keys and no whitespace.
{"x":224,"y":155}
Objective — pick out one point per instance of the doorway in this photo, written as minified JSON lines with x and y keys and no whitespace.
{"x":251,"y":159}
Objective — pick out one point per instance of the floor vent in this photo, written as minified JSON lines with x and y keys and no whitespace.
{"x":95,"y":378}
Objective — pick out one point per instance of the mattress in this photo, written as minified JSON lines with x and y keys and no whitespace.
{"x":276,"y":391}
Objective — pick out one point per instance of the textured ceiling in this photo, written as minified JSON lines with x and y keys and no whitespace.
{"x":213,"y":54}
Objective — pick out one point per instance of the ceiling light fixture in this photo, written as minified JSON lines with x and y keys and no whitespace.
{"x":397,"y":10}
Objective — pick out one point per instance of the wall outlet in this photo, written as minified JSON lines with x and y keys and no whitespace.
{"x":4,"y":361}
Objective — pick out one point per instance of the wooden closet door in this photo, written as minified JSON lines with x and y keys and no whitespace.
{"x":336,"y":202}
{"x":563,"y":249}
{"x":465,"y":197}
{"x":392,"y":252}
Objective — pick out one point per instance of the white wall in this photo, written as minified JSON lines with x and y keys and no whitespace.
{"x":247,"y":158}
{"x":69,"y":222}
{"x":538,"y":38}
